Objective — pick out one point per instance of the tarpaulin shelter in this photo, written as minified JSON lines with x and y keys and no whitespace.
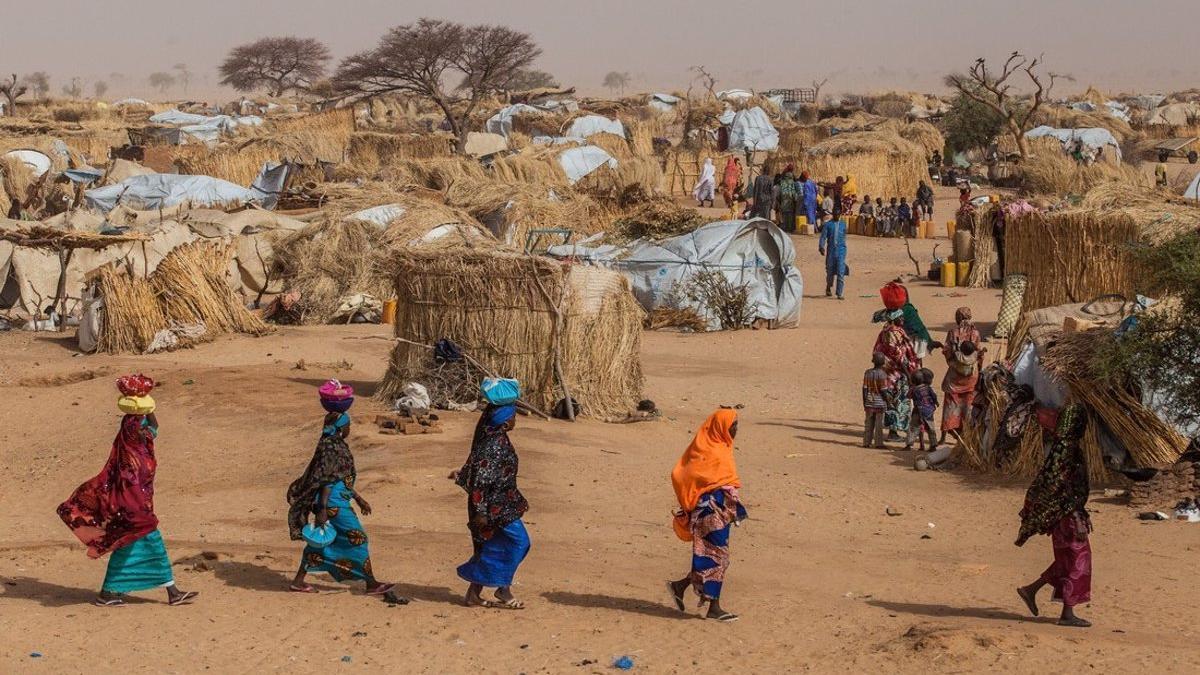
{"x":751,"y":252}
{"x":579,"y":162}
{"x":589,"y":125}
{"x":752,"y":130}
{"x":161,"y":190}
{"x":1094,"y":137}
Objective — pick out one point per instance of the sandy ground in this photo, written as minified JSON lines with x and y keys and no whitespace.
{"x":823,"y":579}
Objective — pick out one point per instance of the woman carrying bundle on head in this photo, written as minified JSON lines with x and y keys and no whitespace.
{"x":963,"y":356}
{"x":706,"y":484}
{"x":114,"y":512}
{"x":495,"y":504}
{"x":335,"y":542}
{"x":1056,"y":505}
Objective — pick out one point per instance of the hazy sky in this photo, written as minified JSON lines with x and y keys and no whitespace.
{"x":1141,"y":45}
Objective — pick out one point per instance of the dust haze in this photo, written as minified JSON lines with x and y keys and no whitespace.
{"x":870,"y":45}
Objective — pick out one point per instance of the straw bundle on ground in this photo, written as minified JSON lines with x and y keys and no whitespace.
{"x":431,"y":174}
{"x":536,"y":167}
{"x":369,"y":151}
{"x":190,"y":287}
{"x":1074,"y":255}
{"x":1150,"y":441}
{"x":882,"y":162}
{"x":500,"y":308}
{"x":656,"y":219}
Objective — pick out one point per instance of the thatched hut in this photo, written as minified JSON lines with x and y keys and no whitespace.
{"x":1079,"y":253}
{"x":883,"y":162}
{"x":552,"y":326}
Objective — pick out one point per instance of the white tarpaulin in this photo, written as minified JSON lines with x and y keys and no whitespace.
{"x":1193,"y":189}
{"x":751,"y":129}
{"x":481,"y":144}
{"x":737,"y":95}
{"x":579,"y":162}
{"x":501,"y":122}
{"x":161,"y":190}
{"x":752,"y":252}
{"x":664,"y":103}
{"x":589,"y":125}
{"x":201,"y":127}
{"x":1094,"y":137}
{"x":38,"y":162}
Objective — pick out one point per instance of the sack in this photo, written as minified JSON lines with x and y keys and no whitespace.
{"x":500,"y":391}
{"x":894,"y":295}
{"x":445,"y":351}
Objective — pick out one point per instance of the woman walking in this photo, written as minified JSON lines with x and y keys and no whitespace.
{"x":731,"y":181}
{"x":114,"y":512}
{"x":1056,"y":505}
{"x":706,"y":485}
{"x":901,"y":362}
{"x":494,"y":504}
{"x":326,"y":491}
{"x":962,"y":351}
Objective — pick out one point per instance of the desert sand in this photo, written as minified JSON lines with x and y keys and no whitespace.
{"x":823,"y":579}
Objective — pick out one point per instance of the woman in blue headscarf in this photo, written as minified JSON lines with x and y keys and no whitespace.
{"x":326,"y":491}
{"x":494,"y":510}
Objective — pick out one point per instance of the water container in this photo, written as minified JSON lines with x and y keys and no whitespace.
{"x":964,"y":271}
{"x":951,"y":226}
{"x":949,"y":274}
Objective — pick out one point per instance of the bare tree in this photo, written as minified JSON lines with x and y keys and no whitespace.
{"x":704,"y":79}
{"x":100,"y":88}
{"x":162,"y":81}
{"x":419,"y":59}
{"x":995,"y":91}
{"x":615,"y":81}
{"x":73,"y":89}
{"x":184,"y":75}
{"x":276,"y":64}
{"x":816,"y":86}
{"x":12,"y":90}
{"x":38,"y":83}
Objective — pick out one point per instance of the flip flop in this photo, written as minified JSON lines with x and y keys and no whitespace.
{"x":305,"y":588}
{"x":381,"y":589}
{"x":110,"y":602}
{"x":1030,"y":601}
{"x":184,"y":598}
{"x":1075,"y":623}
{"x":724,"y":617}
{"x":679,"y":603}
{"x":511,"y":603}
{"x":394,"y":599}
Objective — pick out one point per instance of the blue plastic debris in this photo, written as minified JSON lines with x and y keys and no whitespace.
{"x":623,"y":663}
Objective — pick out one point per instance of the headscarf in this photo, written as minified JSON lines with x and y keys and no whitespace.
{"x":116,"y":507}
{"x":330,"y":463}
{"x":708,"y":173}
{"x":499,"y":415}
{"x":963,"y":331}
{"x":707,"y":464}
{"x":1061,"y":486}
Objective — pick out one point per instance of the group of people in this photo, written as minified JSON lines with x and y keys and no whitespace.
{"x":897,"y":217}
{"x":898,"y":398}
{"x":113,"y":513}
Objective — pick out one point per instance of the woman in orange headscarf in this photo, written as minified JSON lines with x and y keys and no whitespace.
{"x":706,"y":484}
{"x":730,"y":181}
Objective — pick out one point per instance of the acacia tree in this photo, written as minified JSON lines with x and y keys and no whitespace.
{"x":420,"y":58}
{"x":527,"y":78}
{"x":73,"y":89}
{"x":162,"y":81}
{"x":971,"y":125}
{"x":277,"y":64}
{"x":615,"y":81}
{"x":100,"y":88}
{"x":184,"y":76}
{"x":12,"y":90}
{"x":38,"y":83}
{"x":995,"y":90}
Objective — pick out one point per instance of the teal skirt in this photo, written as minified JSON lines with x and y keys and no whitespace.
{"x":139,"y":566}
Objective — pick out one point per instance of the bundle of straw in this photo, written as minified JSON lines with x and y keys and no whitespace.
{"x":191,"y":286}
{"x":132,"y":313}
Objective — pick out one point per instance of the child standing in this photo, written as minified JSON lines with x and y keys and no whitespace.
{"x":925,"y":404}
{"x":874,"y":392}
{"x":904,"y":216}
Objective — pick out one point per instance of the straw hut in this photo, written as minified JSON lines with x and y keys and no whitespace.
{"x":1079,"y":253}
{"x":512,"y":211}
{"x":554,"y":327}
{"x":883,"y":162}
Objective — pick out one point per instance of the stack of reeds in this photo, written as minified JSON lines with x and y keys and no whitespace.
{"x":501,"y":307}
{"x":978,"y":221}
{"x":132,"y":313}
{"x":1150,"y":441}
{"x":1050,"y":171}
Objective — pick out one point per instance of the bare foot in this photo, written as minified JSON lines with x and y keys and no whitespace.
{"x":1030,"y":599}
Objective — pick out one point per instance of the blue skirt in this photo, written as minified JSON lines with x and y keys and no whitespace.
{"x":497,"y":559}
{"x":348,"y":558}
{"x":139,"y":566}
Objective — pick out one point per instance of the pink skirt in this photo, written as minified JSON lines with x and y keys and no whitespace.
{"x":1070,"y":575}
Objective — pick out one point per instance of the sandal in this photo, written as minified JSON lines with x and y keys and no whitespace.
{"x":724,"y":617}
{"x":184,"y":598}
{"x":108,"y":602}
{"x":511,"y":603}
{"x":302,"y":588}
{"x":381,"y":589}
{"x":1075,"y":622}
{"x":679,"y":603}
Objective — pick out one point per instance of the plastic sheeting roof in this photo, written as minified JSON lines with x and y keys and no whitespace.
{"x":752,"y":252}
{"x":1094,"y":137}
{"x":38,"y":162}
{"x":162,"y":190}
{"x":589,"y":125}
{"x":579,"y":162}
{"x":501,"y":122}
{"x":751,"y":129}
